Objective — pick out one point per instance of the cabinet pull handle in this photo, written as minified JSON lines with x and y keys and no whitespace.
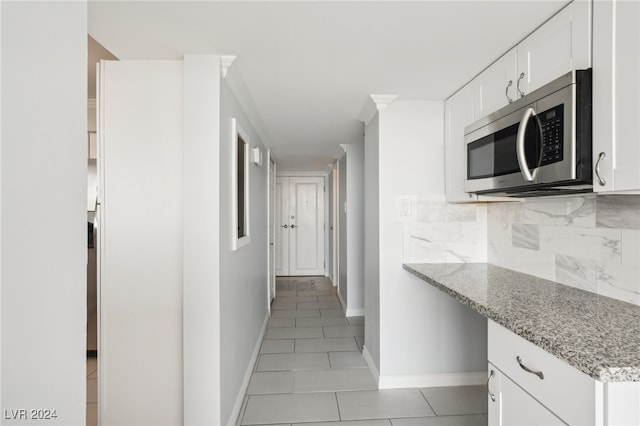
{"x":528,"y":370}
{"x":518,"y":84}
{"x":601,"y":180}
{"x":506,"y":91}
{"x":492,"y":396}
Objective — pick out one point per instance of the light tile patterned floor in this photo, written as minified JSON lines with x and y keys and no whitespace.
{"x":92,"y":391}
{"x":310,"y":372}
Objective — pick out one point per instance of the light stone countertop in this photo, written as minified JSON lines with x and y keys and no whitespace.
{"x":597,"y":335}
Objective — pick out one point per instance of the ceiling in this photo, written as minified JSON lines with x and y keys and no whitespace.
{"x":310,"y":66}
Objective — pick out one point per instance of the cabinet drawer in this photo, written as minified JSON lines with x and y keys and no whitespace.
{"x":564,"y":390}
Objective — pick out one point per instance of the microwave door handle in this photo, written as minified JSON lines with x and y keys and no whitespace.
{"x":522,"y":158}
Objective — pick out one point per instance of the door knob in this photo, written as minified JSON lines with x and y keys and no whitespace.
{"x":293,"y":226}
{"x":284,"y":226}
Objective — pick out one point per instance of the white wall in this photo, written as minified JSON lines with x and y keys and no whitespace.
{"x":451,"y":339}
{"x":351,"y":229}
{"x":343,"y":266}
{"x":201,"y":250}
{"x":243,"y":273}
{"x":141,"y":243}
{"x":43,"y":218}
{"x":372,"y":240}
{"x":587,"y":242}
{"x":355,"y":228}
{"x":329,"y":221}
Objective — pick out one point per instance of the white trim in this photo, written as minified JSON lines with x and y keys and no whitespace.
{"x":373,"y":105}
{"x":269,"y":265}
{"x":285,"y":173}
{"x":225,"y":63}
{"x":383,"y":101}
{"x":325,"y":224}
{"x":431,"y":380}
{"x":350,"y":312}
{"x":342,"y":302}
{"x":372,"y":366}
{"x":354,"y":312}
{"x":237,"y":130}
{"x":233,"y":418}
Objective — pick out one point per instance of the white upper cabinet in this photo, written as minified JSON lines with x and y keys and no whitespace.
{"x":458,"y":113}
{"x":496,"y":86}
{"x":560,"y":45}
{"x":616,"y":96}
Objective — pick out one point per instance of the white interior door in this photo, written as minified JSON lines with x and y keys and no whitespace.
{"x":282,"y":225}
{"x":306,"y":226}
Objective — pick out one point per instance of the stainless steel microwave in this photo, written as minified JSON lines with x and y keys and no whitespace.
{"x":538,"y":145}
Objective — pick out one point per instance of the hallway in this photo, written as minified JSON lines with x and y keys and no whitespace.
{"x":310,"y":372}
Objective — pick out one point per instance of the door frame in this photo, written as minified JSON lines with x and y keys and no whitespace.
{"x":334,"y":231}
{"x":271,"y":230}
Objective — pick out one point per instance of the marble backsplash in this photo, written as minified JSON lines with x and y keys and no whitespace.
{"x":587,"y":242}
{"x":435,"y":231}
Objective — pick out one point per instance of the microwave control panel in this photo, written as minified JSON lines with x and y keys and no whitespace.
{"x":552,"y":123}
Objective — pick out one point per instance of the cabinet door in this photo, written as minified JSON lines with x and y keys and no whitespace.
{"x":560,"y":45}
{"x":458,"y":114}
{"x":510,"y":405}
{"x":519,"y":408}
{"x":616,"y":96}
{"x":493,"y":395}
{"x":492,"y":89}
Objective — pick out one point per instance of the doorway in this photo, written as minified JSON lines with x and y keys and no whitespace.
{"x":272,"y":229}
{"x":299,"y":226}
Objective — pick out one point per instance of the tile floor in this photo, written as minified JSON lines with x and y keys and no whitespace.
{"x":310,"y":372}
{"x":92,"y":391}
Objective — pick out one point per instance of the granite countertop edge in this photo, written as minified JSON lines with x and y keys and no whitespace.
{"x":598,"y":372}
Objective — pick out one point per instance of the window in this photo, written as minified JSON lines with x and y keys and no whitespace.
{"x":240,"y":179}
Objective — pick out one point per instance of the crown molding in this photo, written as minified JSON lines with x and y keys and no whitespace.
{"x":238,"y":88}
{"x":373,"y":105}
{"x":302,"y":173}
{"x":382,"y":101}
{"x":225,"y":63}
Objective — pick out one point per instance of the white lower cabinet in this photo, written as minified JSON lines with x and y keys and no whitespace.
{"x":509,"y":404}
{"x":529,"y":386}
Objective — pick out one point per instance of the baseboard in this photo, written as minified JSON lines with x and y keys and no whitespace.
{"x":354,"y":312}
{"x":431,"y":380}
{"x":342,"y":302}
{"x":350,"y":312}
{"x":233,"y":418}
{"x":372,"y":365}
